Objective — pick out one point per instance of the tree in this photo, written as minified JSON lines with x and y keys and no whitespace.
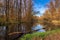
{"x":16,"y":15}
{"x":50,"y":19}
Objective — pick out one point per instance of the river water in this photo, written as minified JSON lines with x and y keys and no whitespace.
{"x":39,"y":28}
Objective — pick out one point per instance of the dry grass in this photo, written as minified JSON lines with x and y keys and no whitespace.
{"x":54,"y":36}
{"x":50,"y":35}
{"x":36,"y":38}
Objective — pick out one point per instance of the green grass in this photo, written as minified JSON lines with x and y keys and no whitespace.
{"x":38,"y":34}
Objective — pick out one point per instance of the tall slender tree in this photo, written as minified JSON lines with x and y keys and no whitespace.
{"x":7,"y":17}
{"x":19,"y":15}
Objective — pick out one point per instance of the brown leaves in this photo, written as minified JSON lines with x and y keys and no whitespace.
{"x":52,"y":16}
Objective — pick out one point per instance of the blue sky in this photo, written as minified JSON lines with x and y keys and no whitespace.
{"x":40,"y":5}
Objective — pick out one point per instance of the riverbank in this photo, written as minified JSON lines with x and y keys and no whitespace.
{"x":49,"y":35}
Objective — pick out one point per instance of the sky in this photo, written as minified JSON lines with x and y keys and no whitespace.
{"x":40,"y":5}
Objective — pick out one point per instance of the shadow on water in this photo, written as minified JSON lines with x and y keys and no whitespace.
{"x":24,"y":27}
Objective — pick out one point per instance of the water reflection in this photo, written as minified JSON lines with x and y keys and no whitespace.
{"x":39,"y":28}
{"x":24,"y":27}
{"x":2,"y":32}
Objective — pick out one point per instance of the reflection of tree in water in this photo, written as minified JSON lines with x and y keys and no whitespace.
{"x":24,"y":27}
{"x":2,"y":32}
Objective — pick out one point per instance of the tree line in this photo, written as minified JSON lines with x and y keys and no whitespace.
{"x":16,"y":15}
{"x":51,"y":17}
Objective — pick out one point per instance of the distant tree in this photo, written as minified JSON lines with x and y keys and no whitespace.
{"x":50,"y":19}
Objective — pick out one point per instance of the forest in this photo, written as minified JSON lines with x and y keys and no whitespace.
{"x":18,"y":20}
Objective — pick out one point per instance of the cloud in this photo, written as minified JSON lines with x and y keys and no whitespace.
{"x":41,"y":10}
{"x":40,"y":6}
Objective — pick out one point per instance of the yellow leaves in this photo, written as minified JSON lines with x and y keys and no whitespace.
{"x":2,"y":19}
{"x":51,"y":18}
{"x":56,"y":22}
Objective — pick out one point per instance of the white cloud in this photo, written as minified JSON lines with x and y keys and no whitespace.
{"x":42,"y":10}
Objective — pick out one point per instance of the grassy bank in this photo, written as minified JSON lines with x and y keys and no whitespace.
{"x":41,"y":35}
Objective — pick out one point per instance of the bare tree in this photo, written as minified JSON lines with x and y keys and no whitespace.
{"x":7,"y":17}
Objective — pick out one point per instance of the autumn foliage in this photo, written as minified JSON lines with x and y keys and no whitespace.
{"x":51,"y":18}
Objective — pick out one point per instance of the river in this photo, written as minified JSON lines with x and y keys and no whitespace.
{"x":39,"y":28}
